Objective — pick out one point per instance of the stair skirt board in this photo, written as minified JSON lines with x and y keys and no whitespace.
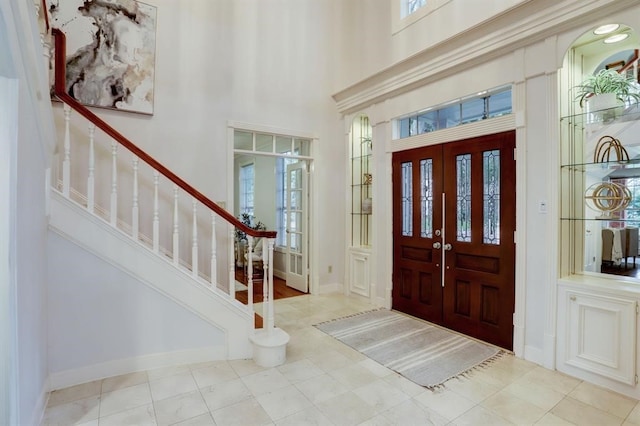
{"x":93,"y":234}
{"x":64,"y":379}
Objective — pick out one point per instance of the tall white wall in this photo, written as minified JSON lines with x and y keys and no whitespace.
{"x":99,"y":317}
{"x":27,"y":131}
{"x":262,"y":63}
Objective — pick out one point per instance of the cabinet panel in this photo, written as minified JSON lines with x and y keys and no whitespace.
{"x":601,"y":335}
{"x":359,"y":275}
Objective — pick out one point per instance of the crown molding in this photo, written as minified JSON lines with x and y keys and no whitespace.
{"x":518,"y":27}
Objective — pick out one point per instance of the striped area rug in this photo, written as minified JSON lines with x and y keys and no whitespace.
{"x":421,"y":352}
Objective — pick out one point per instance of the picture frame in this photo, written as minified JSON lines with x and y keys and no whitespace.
{"x":110,"y":52}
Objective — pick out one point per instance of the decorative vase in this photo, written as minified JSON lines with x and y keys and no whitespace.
{"x":604,"y":106}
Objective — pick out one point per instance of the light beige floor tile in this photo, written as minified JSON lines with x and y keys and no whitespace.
{"x":579,"y":413}
{"x":552,"y":379}
{"x":375,"y":367}
{"x":514,"y":365}
{"x":139,"y":416}
{"x":75,"y":393}
{"x":179,"y":408}
{"x":480,"y":416}
{"x":72,"y":413}
{"x":536,"y":394}
{"x":201,"y":420}
{"x":552,"y":420}
{"x":353,"y":376}
{"x":330,"y":360}
{"x":124,"y":381}
{"x":90,"y":423}
{"x":634,"y":415}
{"x":300,"y":370}
{"x":214,"y":375}
{"x":346,"y":409}
{"x":125,"y":399}
{"x":380,"y":395}
{"x":445,"y":402}
{"x":160,"y":373}
{"x":475,"y":390}
{"x":283,"y":402}
{"x":308,"y":417}
{"x":378,"y":420}
{"x":244,"y":367}
{"x":512,"y":408}
{"x":265,"y":381}
{"x":167,"y":387}
{"x":410,"y":413}
{"x":405,"y":385}
{"x":228,"y":393}
{"x":321,"y":388}
{"x":247,"y":412}
{"x":605,"y":400}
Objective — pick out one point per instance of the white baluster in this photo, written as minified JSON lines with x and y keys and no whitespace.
{"x":232,"y":266}
{"x":214,"y":245}
{"x":91,"y":185}
{"x":66,"y":162}
{"x":265,"y":284}
{"x":194,"y":246}
{"x":114,"y":183}
{"x":46,"y":53}
{"x":268,"y":274}
{"x":176,"y":231}
{"x":249,"y":261}
{"x":156,"y":213}
{"x":135,"y":215}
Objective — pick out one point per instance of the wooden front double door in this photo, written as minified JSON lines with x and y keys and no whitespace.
{"x":453,"y":232}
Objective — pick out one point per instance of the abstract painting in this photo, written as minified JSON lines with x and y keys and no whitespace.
{"x":111,"y":46}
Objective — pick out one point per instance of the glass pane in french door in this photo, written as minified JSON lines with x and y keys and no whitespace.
{"x":463,"y":197}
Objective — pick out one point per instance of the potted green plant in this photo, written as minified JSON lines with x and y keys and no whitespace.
{"x":248,"y":220}
{"x":614,"y":87}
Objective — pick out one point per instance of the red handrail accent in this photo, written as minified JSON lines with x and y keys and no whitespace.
{"x":46,"y":15}
{"x":61,"y":92}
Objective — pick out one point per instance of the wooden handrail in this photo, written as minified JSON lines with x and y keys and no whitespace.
{"x":46,"y":15}
{"x":60,"y":91}
{"x":629,"y":64}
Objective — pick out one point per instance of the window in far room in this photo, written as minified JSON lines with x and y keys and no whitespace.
{"x":410,"y":6}
{"x":246,"y":188}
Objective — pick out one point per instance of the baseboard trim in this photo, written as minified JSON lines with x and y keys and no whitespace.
{"x":533,"y":354}
{"x":99,"y":371}
{"x":41,"y":406}
{"x":330,"y":288}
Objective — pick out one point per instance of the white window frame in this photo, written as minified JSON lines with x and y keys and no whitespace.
{"x":245,"y":192}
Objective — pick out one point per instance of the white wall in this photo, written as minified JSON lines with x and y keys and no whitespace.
{"x":262,"y":63}
{"x":28,"y":150}
{"x":98,"y":314}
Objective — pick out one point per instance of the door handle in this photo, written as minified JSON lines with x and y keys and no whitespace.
{"x":447,"y":247}
{"x":436,"y":245}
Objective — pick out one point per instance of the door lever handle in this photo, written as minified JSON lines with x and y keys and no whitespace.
{"x":436,"y":245}
{"x":447,"y":246}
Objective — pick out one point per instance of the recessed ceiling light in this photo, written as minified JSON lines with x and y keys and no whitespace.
{"x":615,"y":38}
{"x":606,"y":29}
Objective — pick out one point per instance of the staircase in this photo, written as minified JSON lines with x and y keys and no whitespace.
{"x":113,"y":200}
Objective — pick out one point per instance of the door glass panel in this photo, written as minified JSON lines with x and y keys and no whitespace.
{"x":407,"y":199}
{"x":463,"y":200}
{"x":426,"y":198}
{"x":491,"y":196}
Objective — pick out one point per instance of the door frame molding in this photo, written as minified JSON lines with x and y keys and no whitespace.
{"x":312,"y":243}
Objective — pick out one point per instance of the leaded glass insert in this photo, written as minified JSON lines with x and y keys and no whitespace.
{"x":426,"y":198}
{"x":491,"y":196}
{"x":463,"y":200}
{"x":407,"y":199}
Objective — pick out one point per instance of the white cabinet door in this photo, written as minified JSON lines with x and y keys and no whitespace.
{"x":601,"y":335}
{"x":359,"y":276}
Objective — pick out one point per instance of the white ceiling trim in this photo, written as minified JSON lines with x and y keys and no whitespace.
{"x":529,"y":23}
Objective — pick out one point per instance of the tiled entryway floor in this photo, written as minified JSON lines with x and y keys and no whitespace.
{"x":325,"y":382}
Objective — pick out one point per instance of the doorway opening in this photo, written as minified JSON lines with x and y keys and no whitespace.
{"x":271,"y":190}
{"x":453,"y":227}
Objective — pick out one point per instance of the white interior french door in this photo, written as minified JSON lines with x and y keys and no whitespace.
{"x":296,"y":227}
